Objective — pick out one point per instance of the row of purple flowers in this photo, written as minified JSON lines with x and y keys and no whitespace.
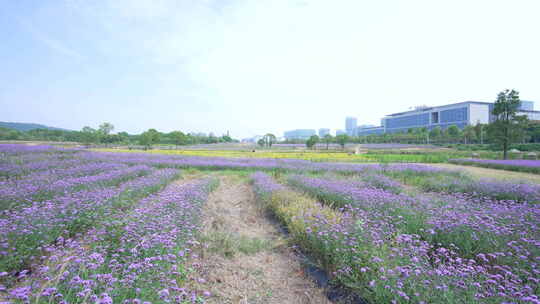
{"x":133,"y":257}
{"x":521,"y":165}
{"x":26,"y":233}
{"x":393,"y":248}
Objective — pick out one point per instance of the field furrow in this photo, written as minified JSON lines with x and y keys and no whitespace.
{"x":243,"y":257}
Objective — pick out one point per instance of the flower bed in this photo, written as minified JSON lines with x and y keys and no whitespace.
{"x":520,"y":165}
{"x":134,"y":257}
{"x":444,"y":240}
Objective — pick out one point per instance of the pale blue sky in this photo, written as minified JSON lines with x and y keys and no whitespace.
{"x":253,"y":67}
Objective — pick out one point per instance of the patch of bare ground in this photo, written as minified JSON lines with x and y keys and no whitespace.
{"x":480,"y":172}
{"x":243,"y":257}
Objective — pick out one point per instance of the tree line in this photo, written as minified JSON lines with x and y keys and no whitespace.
{"x":103,"y":135}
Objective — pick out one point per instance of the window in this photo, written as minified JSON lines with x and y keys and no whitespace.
{"x":434,"y":117}
{"x":453,"y":115}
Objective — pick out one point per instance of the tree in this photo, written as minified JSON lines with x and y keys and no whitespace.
{"x":269,"y":139}
{"x":312,"y":141}
{"x":106,"y":128}
{"x":480,"y":131}
{"x":534,"y":131}
{"x":261,"y":142}
{"x":421,"y":134}
{"x":178,"y":138}
{"x":124,"y":136}
{"x":212,"y":139}
{"x":342,"y":140}
{"x":103,"y":132}
{"x":10,"y":134}
{"x":453,"y":132}
{"x":469,"y":134}
{"x":435,"y":133}
{"x":226,"y":138}
{"x":508,"y":127}
{"x":88,"y":135}
{"x":327,"y":139}
{"x":148,"y":138}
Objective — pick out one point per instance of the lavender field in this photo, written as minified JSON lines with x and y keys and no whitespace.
{"x":520,"y":165}
{"x":99,"y":227}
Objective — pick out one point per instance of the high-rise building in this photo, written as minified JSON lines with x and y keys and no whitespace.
{"x":350,"y":125}
{"x":340,"y":132}
{"x":323,"y":132}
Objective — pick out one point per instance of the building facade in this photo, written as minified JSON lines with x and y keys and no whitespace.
{"x":526,"y":105}
{"x":369,"y":131}
{"x":323,"y":132}
{"x":459,"y":114}
{"x":299,"y":134}
{"x":351,"y":124}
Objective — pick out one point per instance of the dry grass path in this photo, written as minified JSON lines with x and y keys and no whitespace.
{"x":492,"y":173}
{"x":244,"y":258}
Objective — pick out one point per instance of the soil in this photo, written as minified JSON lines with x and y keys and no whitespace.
{"x":270,"y":273}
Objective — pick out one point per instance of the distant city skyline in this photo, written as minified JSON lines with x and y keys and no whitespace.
{"x":212,"y":66}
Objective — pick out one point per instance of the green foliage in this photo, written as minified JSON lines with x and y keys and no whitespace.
{"x":508,"y":126}
{"x":88,"y":135}
{"x":149,"y":138}
{"x":227,"y":138}
{"x":312,"y":141}
{"x":269,"y":139}
{"x":342,"y":140}
{"x":230,"y":244}
{"x":453,"y":131}
{"x":178,"y":138}
{"x":9,"y":134}
{"x":435,"y":132}
{"x":327,"y":139}
{"x":469,"y":134}
{"x":106,"y":128}
{"x":104,"y":135}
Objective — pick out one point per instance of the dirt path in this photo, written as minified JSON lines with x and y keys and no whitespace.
{"x":492,"y":173}
{"x":245,"y":259}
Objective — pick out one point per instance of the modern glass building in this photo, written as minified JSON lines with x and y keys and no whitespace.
{"x":527,"y":105}
{"x":369,"y":130}
{"x":350,"y":125}
{"x":299,"y":134}
{"x":323,"y":132}
{"x":459,"y":114}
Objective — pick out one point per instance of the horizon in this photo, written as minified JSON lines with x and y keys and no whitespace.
{"x":256,"y":67}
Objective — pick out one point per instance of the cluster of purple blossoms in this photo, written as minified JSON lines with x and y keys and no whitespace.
{"x":426,"y":248}
{"x":27,"y":232}
{"x":133,"y":257}
{"x":505,"y":164}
